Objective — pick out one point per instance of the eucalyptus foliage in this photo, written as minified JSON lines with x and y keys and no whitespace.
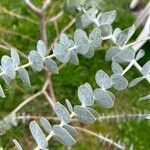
{"x":67,"y":50}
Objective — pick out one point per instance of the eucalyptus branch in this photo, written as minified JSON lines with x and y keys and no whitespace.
{"x":26,"y":101}
{"x":33,"y":8}
{"x":11,"y":13}
{"x":102,"y":138}
{"x":54,"y":18}
{"x":49,"y":99}
{"x":125,"y":116}
{"x":137,"y":41}
{"x":6,"y":31}
{"x":46,"y":4}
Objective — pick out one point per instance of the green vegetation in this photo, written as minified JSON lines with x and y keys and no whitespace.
{"x":70,"y":78}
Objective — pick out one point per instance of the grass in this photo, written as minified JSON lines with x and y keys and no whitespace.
{"x":67,"y":82}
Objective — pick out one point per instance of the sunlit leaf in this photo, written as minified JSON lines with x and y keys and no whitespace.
{"x":61,"y":52}
{"x":62,"y":112}
{"x":103,"y":98}
{"x":69,"y":105}
{"x":71,"y":130}
{"x":74,"y":58}
{"x":8,"y":67}
{"x":116,"y":68}
{"x":124,"y":36}
{"x":111,"y":52}
{"x":51,"y":65}
{"x":84,"y":115}
{"x":15,"y":58}
{"x":46,"y":125}
{"x":119,"y":82}
{"x":81,"y":41}
{"x":85,"y":95}
{"x":23,"y":74}
{"x":126,"y":55}
{"x":146,"y":68}
{"x":36,"y":60}
{"x":63,"y":136}
{"x":41,"y":48}
{"x":106,"y":30}
{"x":107,"y":17}
{"x":147,"y":97}
{"x":95,"y":38}
{"x":103,"y":80}
{"x":38,"y":134}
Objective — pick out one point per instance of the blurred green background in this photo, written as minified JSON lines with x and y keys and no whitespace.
{"x":70,"y":78}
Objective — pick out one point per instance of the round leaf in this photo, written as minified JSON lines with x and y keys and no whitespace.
{"x":85,"y":95}
{"x":36,"y":60}
{"x":81,"y":41}
{"x":63,"y":136}
{"x":95,"y":38}
{"x":46,"y":125}
{"x":8,"y":67}
{"x":61,"y":52}
{"x":23,"y":74}
{"x":41,"y":48}
{"x":84,"y":115}
{"x":119,"y":82}
{"x":103,"y":98}
{"x":103,"y":80}
{"x":62,"y":112}
{"x":116,"y":68}
{"x":51,"y":65}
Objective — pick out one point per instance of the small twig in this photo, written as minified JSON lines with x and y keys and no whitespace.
{"x":137,"y":41}
{"x":54,"y":18}
{"x":16,"y":34}
{"x":4,"y":10}
{"x":122,"y":116}
{"x":46,"y":4}
{"x":49,"y":99}
{"x":105,"y":139}
{"x":26,"y":101}
{"x":56,"y":28}
{"x":33,"y":8}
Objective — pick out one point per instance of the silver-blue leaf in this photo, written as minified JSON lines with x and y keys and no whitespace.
{"x":71,"y":130}
{"x":95,"y":38}
{"x":85,"y":95}
{"x":63,"y":136}
{"x":41,"y":48}
{"x":61,"y":52}
{"x":46,"y":125}
{"x":51,"y":65}
{"x":84,"y":115}
{"x":62,"y":113}
{"x":119,"y":82}
{"x":36,"y":60}
{"x":103,"y":80}
{"x":81,"y":41}
{"x":38,"y":135}
{"x":23,"y":74}
{"x":107,"y":17}
{"x":103,"y":98}
{"x":8,"y":67}
{"x":15,"y":58}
